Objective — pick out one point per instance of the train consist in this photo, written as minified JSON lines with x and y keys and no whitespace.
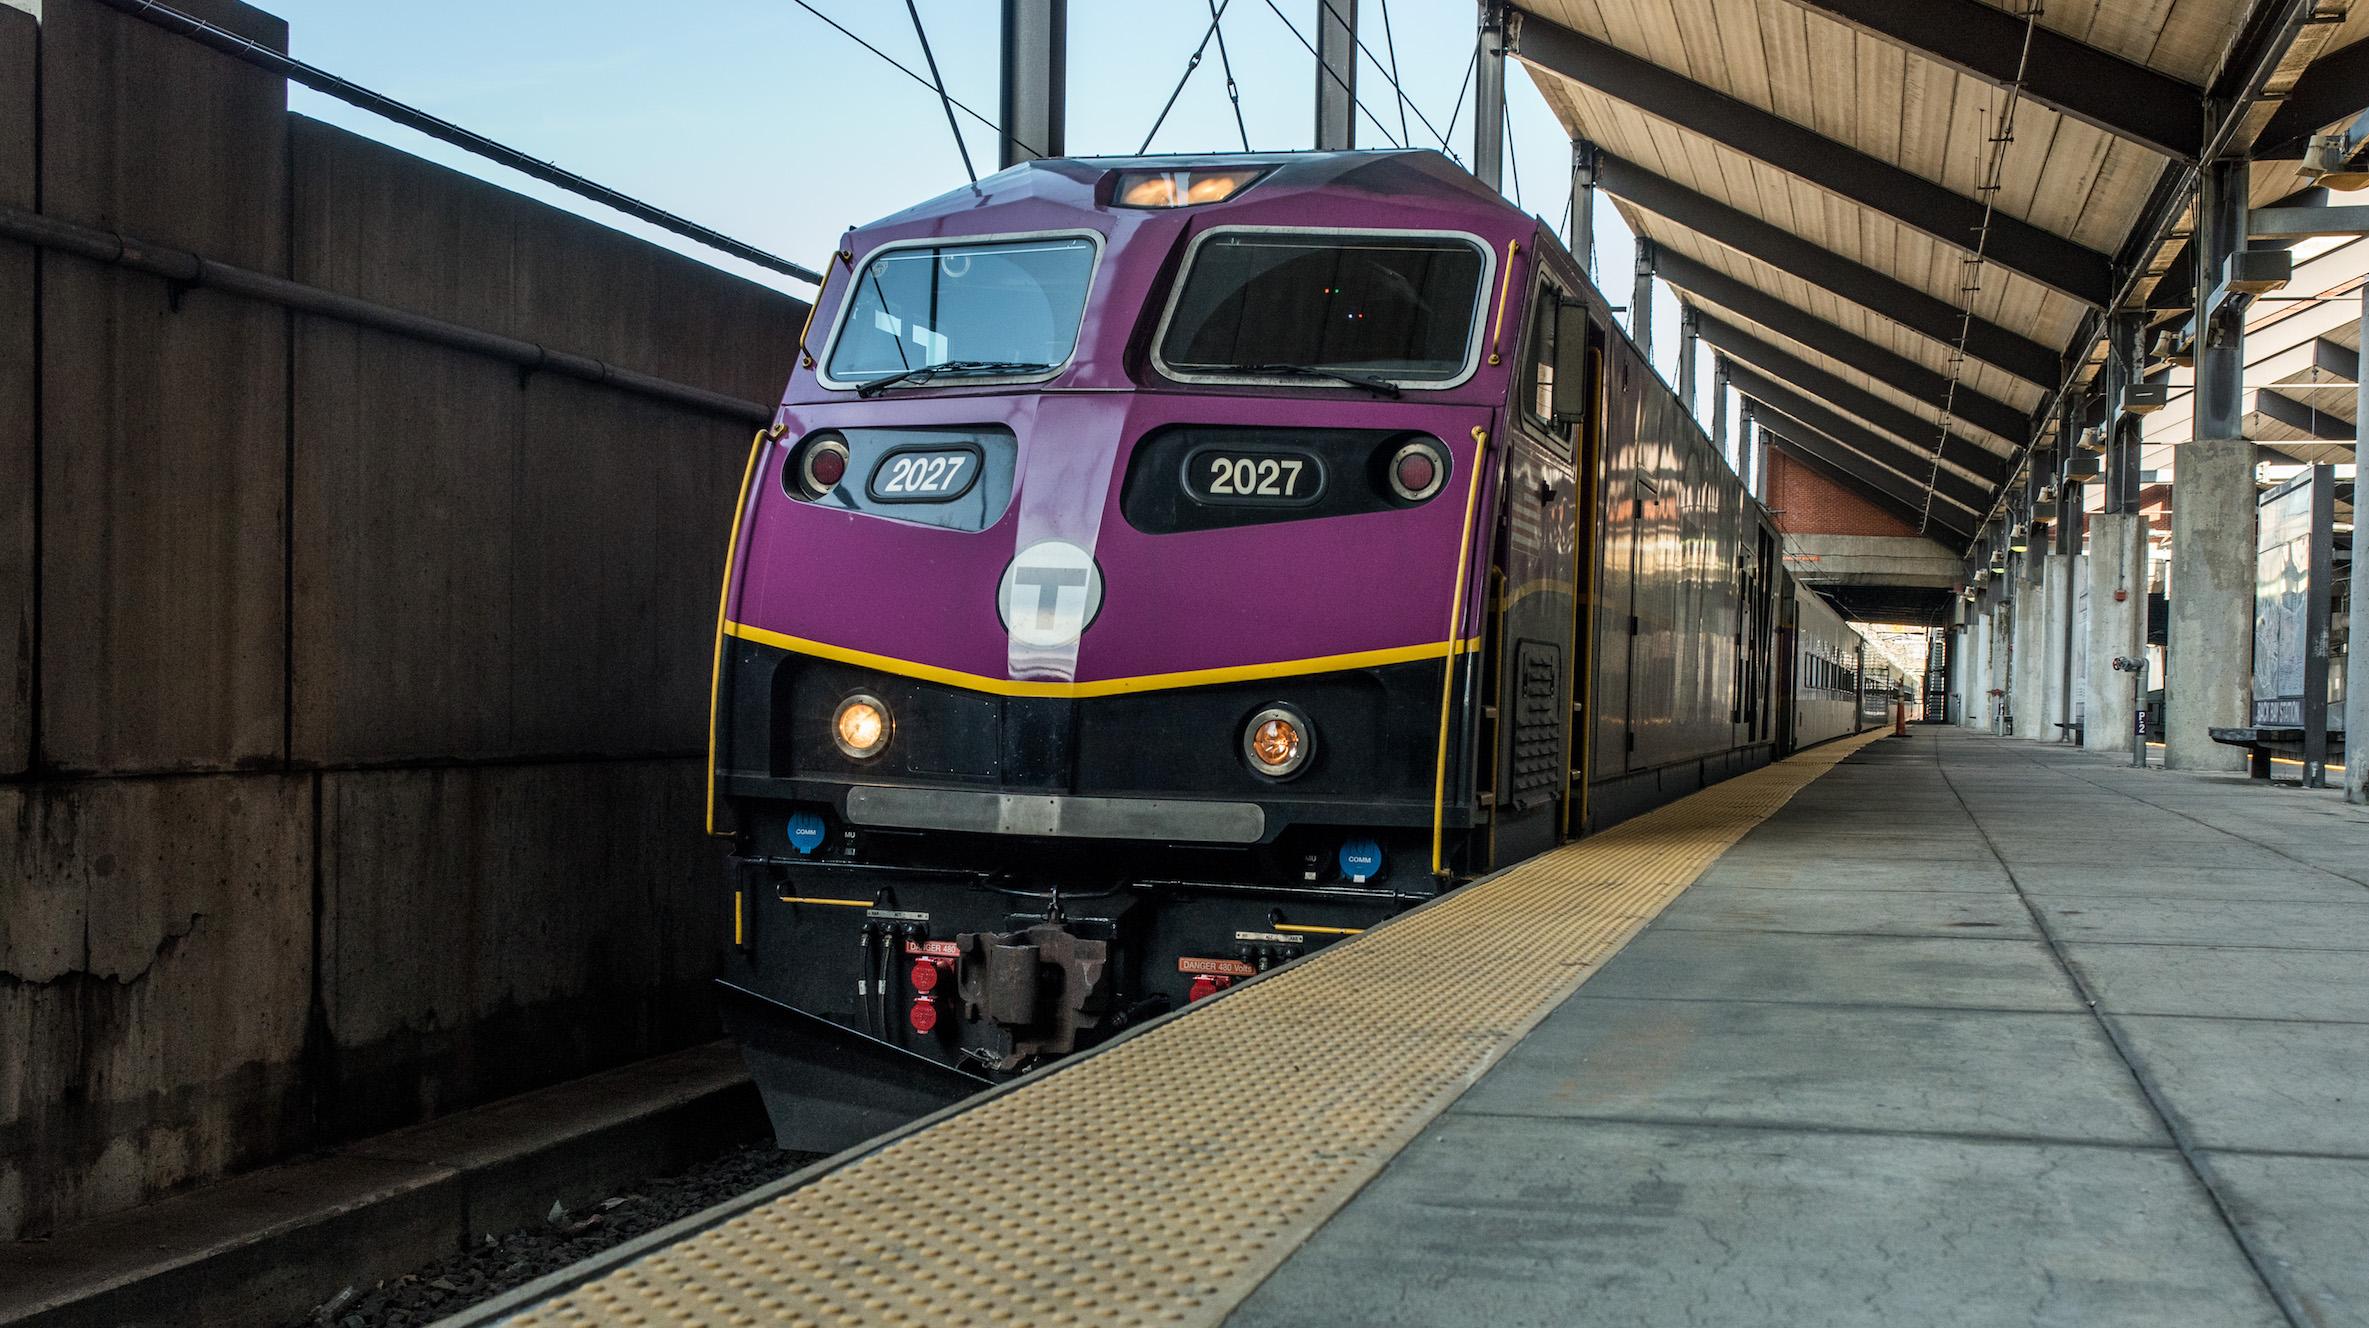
{"x":1163,"y":567}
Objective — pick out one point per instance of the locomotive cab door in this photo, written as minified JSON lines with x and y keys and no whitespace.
{"x":1535,"y":590}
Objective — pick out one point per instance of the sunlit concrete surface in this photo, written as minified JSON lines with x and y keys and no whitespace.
{"x":1854,"y":1076}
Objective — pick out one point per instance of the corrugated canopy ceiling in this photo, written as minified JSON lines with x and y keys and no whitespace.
{"x":1813,"y":175}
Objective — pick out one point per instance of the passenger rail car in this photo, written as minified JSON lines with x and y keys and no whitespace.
{"x":1163,"y":567}
{"x":1830,"y":661}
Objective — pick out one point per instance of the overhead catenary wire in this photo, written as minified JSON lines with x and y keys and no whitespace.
{"x":1226,"y":64}
{"x":1994,"y":175}
{"x":1390,"y":44}
{"x":1217,"y":12}
{"x":1328,"y":72}
{"x":411,"y":117}
{"x":1512,"y":158}
{"x":938,"y":81}
{"x":1002,"y":134}
{"x":1456,"y":112}
{"x":1390,"y":76}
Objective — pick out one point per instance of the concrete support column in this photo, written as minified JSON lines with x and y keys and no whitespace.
{"x":1956,"y":702}
{"x":1972,"y":666}
{"x":2117,"y":566}
{"x":2356,"y":672}
{"x":2035,"y":711}
{"x":2001,"y":673}
{"x":2210,"y":647}
{"x":2055,"y":614}
{"x":2209,"y":652}
{"x":2072,"y":637}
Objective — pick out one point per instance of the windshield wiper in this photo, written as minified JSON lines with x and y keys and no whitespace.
{"x":1378,"y":386}
{"x":923,"y":373}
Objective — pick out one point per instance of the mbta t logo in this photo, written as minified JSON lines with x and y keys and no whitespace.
{"x":1049,"y":594}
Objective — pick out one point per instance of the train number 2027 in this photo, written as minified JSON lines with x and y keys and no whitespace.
{"x":1252,"y":478}
{"x":917,"y":476}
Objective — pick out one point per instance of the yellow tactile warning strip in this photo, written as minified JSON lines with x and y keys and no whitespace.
{"x":1162,"y":1179}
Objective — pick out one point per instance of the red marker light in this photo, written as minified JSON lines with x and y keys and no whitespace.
{"x":829,"y":467}
{"x":1415,"y":471}
{"x":817,"y":466}
{"x":923,"y":1015}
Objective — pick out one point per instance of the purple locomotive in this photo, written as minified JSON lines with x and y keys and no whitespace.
{"x":1163,"y":567}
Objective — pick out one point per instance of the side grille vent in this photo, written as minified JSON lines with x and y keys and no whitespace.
{"x":1538,"y":731}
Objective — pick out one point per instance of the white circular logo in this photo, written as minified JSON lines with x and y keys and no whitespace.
{"x":1049,"y":594}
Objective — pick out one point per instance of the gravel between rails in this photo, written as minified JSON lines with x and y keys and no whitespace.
{"x":449,"y":1286}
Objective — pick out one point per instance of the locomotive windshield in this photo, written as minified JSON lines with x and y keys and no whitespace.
{"x":1399,"y":307}
{"x":993,"y":307}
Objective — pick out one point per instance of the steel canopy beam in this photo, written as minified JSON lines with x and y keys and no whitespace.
{"x":2069,"y":77}
{"x":2279,"y":408}
{"x":1897,"y":421}
{"x":2177,"y":288}
{"x":1908,"y":198}
{"x":2341,"y":364}
{"x":1895,"y":371}
{"x":1887,"y":296}
{"x":2302,"y":223}
{"x":2334,"y":87}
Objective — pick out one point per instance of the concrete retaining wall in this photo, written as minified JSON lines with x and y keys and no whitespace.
{"x":351,"y":689}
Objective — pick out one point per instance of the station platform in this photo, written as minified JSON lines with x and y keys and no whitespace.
{"x":1942,"y":1029}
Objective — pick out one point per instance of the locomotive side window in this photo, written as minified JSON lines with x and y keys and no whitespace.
{"x":1291,"y":306}
{"x":1541,"y":360}
{"x":942,"y":312}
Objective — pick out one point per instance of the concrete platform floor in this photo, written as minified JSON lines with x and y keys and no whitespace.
{"x":1974,"y":1031}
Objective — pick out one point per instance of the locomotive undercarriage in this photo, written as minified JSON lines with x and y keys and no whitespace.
{"x":919,"y":967}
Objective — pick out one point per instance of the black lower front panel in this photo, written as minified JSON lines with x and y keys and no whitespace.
{"x":1007,"y":880}
{"x":868,"y":993}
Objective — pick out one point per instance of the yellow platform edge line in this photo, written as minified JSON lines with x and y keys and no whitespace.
{"x":1162,"y":1178}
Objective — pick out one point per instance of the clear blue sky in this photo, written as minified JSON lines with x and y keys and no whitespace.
{"x":755,"y":118}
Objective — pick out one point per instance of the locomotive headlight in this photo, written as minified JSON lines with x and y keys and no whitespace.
{"x":1186,"y":188}
{"x":861,"y":726}
{"x":1278,"y":742}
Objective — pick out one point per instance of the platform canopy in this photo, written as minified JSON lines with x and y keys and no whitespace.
{"x":1823,"y":182}
{"x":2302,"y":364}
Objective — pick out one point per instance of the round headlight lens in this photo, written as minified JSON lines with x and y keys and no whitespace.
{"x":1277,"y":742}
{"x":861,"y":726}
